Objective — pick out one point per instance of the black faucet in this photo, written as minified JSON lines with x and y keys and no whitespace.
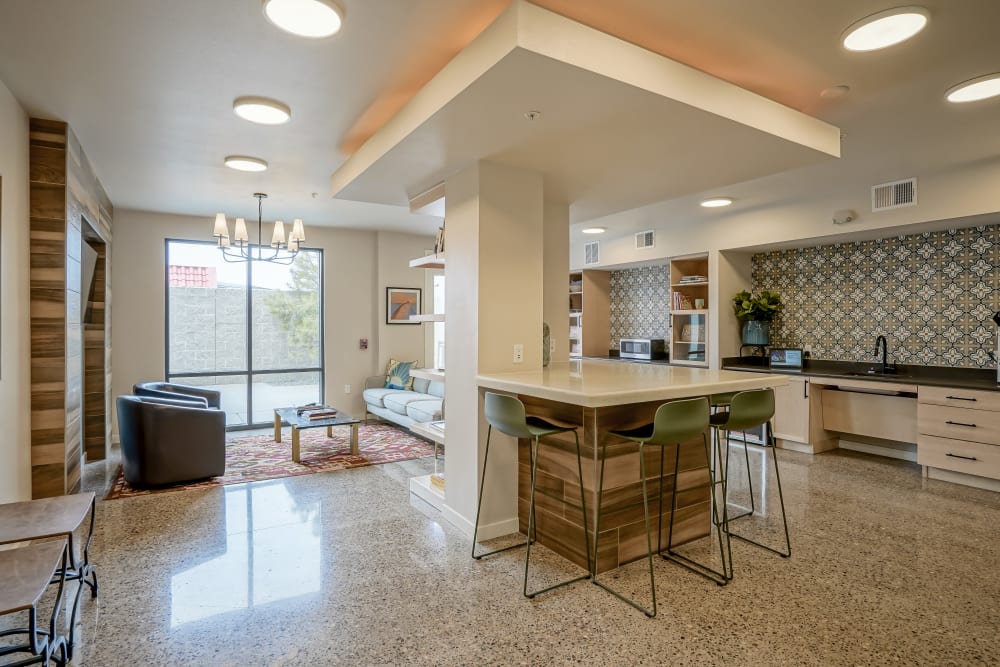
{"x":885,"y":353}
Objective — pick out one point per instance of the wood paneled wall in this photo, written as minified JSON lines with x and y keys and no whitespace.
{"x":64,"y":194}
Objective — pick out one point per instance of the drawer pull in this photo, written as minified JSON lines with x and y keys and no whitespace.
{"x":960,"y":398}
{"x":959,"y":456}
{"x":960,"y":424}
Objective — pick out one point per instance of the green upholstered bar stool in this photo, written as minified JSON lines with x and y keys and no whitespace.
{"x":673,"y":424}
{"x":507,"y":415}
{"x":747,"y":410}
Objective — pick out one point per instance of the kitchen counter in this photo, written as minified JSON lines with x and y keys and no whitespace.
{"x":593,"y":384}
{"x":935,"y":376}
{"x":599,"y":396}
{"x":615,"y":357}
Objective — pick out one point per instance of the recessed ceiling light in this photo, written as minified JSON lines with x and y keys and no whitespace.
{"x":973,"y":90}
{"x":262,"y":110}
{"x":717,"y":202}
{"x":885,"y":28}
{"x":245,"y":163}
{"x":594,"y":230}
{"x":305,"y":18}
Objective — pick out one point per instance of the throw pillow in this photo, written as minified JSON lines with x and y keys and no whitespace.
{"x":397,"y":375}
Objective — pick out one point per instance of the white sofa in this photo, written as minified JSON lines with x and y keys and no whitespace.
{"x":421,"y":404}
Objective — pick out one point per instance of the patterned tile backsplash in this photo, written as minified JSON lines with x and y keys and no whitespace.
{"x":932,"y":295}
{"x":640,"y":303}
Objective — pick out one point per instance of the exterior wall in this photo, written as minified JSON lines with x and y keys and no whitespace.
{"x":640,"y":303}
{"x":15,"y":333}
{"x":932,"y":295}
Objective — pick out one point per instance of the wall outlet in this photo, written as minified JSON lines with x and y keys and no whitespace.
{"x":518,"y":353}
{"x":347,"y":389}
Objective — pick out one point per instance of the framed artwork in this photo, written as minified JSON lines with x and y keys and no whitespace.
{"x":400,"y":303}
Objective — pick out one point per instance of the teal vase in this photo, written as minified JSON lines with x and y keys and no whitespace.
{"x":756,"y":332}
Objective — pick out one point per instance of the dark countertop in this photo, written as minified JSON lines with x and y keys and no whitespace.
{"x":615,"y":357}
{"x":937,"y":376}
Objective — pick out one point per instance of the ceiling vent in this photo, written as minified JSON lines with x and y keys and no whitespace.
{"x":592,"y":252}
{"x":645,"y":240}
{"x":894,"y":195}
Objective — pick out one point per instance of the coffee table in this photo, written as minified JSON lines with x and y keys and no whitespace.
{"x":290,"y":417}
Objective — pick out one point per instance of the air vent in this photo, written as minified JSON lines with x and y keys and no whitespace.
{"x":894,"y":195}
{"x":592,"y":252}
{"x":644,"y":239}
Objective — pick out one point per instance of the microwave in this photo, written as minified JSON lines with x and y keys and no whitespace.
{"x":642,"y":348}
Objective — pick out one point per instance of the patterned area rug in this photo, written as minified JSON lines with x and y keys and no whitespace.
{"x":251,"y":458}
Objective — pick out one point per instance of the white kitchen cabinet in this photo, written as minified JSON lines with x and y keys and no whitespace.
{"x":791,"y":410}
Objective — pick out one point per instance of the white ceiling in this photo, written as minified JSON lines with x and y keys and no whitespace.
{"x":148,"y":86}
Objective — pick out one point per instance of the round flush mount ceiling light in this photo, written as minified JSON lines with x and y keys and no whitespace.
{"x":245,"y":163}
{"x":305,"y":18}
{"x":717,"y":202}
{"x":594,"y":230}
{"x":262,"y":110}
{"x":884,"y":29}
{"x":973,"y":90}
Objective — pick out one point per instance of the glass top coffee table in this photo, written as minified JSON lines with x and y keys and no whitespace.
{"x":292,"y":418}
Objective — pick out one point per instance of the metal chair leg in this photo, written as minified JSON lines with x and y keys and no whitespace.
{"x":720,"y":578}
{"x":531,"y":521}
{"x":772,"y":445}
{"x":597,"y":526}
{"x":746,"y":454}
{"x":583,"y":503}
{"x":479,"y":506}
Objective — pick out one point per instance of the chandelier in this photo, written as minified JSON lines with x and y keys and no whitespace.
{"x":239,"y":249}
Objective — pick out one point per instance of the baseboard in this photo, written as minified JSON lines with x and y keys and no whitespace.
{"x":964,"y":479}
{"x":487,"y":531}
{"x":880,"y":450}
{"x":795,"y":446}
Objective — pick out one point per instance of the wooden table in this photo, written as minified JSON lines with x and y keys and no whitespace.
{"x":600,"y":396}
{"x":291,"y":417}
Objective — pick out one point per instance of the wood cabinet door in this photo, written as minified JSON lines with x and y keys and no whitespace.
{"x":791,"y":411}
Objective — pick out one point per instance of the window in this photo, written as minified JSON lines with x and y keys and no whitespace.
{"x":251,"y":330}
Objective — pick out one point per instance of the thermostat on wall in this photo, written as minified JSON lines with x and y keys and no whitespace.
{"x":786,"y":357}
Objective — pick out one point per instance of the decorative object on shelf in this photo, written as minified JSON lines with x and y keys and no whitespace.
{"x":546,"y":345}
{"x":239,"y":248}
{"x":439,"y":241}
{"x":400,"y":303}
{"x":699,"y":304}
{"x":756,"y":314}
{"x":693,"y":333}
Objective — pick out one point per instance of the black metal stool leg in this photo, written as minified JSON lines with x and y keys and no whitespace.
{"x":746,"y":454}
{"x":532,"y":521}
{"x":772,"y":445}
{"x":479,"y":506}
{"x":583,"y":503}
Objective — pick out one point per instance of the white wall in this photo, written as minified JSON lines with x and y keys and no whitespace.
{"x":351,"y":281}
{"x":15,"y":342}
{"x":404,"y":342}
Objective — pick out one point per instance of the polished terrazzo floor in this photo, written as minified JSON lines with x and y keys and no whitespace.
{"x":344,"y":568}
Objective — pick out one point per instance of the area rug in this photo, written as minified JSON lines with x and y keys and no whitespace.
{"x":252,"y":458}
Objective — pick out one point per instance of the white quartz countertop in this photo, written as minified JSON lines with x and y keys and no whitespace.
{"x":595,"y":384}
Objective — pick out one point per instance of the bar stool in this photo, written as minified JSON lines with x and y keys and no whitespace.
{"x":673,"y":424}
{"x":507,"y":415}
{"x":747,"y":410}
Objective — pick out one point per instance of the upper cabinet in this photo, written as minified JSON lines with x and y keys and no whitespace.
{"x":689,"y":310}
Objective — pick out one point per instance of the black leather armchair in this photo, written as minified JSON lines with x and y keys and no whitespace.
{"x":212,"y":398}
{"x":169,"y":441}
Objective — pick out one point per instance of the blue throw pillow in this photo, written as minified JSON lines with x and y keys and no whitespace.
{"x":397,"y":375}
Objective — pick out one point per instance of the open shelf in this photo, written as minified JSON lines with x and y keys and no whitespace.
{"x":423,"y":489}
{"x":427,"y":317}
{"x":703,"y":283}
{"x":428,"y":262}
{"x":697,"y":311}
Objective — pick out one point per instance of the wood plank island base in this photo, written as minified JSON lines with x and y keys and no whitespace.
{"x":600,"y":396}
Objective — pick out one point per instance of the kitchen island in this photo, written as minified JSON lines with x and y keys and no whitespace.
{"x":599,"y":396}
